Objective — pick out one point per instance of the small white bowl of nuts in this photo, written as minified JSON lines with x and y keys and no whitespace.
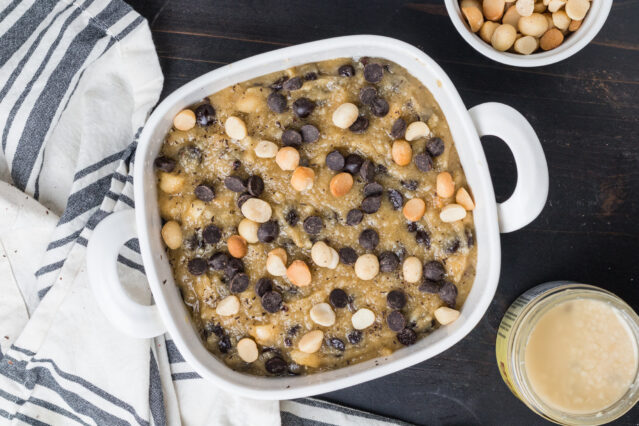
{"x":528,"y":33}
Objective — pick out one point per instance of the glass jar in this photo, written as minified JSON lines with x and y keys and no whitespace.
{"x":516,"y":328}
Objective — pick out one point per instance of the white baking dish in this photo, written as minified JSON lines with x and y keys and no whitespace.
{"x":169,"y":313}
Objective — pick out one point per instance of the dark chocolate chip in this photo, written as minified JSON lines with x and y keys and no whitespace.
{"x":407,"y":337}
{"x":338,"y":298}
{"x":422,"y":238}
{"x":347,"y":256}
{"x":448,"y":294}
{"x":193,"y":242}
{"x":353,"y":163}
{"x":292,"y":138}
{"x":388,"y":261}
{"x":367,"y":171}
{"x":428,"y":286}
{"x":435,"y":147}
{"x":164,"y":164}
{"x":396,"y":299}
{"x":275,"y":365}
{"x":277,"y":84}
{"x":412,"y":227}
{"x":239,"y":283}
{"x":396,"y":199}
{"x":346,"y":71}
{"x":205,"y":115}
{"x":241,"y":199}
{"x":219,"y":261}
{"x":396,"y":321}
{"x":453,"y":246}
{"x":293,"y":330}
{"x":197,"y":266}
{"x":367,"y":95}
{"x":371,"y":204}
{"x":373,"y":188}
{"x":434,"y":270}
{"x":335,"y":161}
{"x":216,"y":329}
{"x":235,"y":183}
{"x":354,"y":217}
{"x":212,"y":234}
{"x":292,"y":217}
{"x":288,"y":342}
{"x":411,"y":185}
{"x":303,"y":107}
{"x":271,"y":301}
{"x":423,"y":162}
{"x":255,"y":185}
{"x":204,"y":192}
{"x":233,"y":267}
{"x":276,"y":102}
{"x":313,"y":225}
{"x":354,"y":337}
{"x":224,"y":344}
{"x":309,"y":133}
{"x":268,"y":231}
{"x":237,"y":164}
{"x":379,"y":107}
{"x":381,"y":169}
{"x":263,"y":285}
{"x":360,"y":125}
{"x":368,"y":239}
{"x":373,"y":72}
{"x":294,"y":83}
{"x":310,"y":76}
{"x":364,"y":60}
{"x":399,"y":129}
{"x":337,"y":344}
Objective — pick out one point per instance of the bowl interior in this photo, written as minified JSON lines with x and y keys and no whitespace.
{"x":158,"y":269}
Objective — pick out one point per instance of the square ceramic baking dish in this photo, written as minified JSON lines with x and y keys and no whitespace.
{"x":170,"y":314}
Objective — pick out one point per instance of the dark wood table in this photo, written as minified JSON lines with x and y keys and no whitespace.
{"x":584,"y":109}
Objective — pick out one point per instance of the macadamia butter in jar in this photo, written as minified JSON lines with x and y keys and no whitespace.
{"x":570,"y":352}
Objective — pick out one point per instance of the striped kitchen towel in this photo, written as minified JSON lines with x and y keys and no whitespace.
{"x":77,"y":80}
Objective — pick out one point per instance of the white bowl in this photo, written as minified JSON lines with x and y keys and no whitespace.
{"x":169,"y":312}
{"x":573,"y":43}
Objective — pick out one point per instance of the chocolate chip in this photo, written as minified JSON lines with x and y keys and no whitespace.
{"x":396,"y":299}
{"x":309,"y":133}
{"x":470,"y":239}
{"x":396,"y":321}
{"x":411,"y":185}
{"x":373,"y":188}
{"x":239,"y":283}
{"x":367,"y":171}
{"x":381,"y":169}
{"x":346,"y":71}
{"x":255,"y":185}
{"x":277,"y":84}
{"x":411,"y":226}
{"x":360,"y":125}
{"x":205,"y":115}
{"x":268,"y":231}
{"x":423,"y":162}
{"x":371,"y":204}
{"x":310,"y":76}
{"x":338,"y":298}
{"x":235,"y":183}
{"x":292,"y":217}
{"x":367,"y":95}
{"x":335,"y":161}
{"x":233,"y":267}
{"x":448,"y":294}
{"x":453,"y":246}
{"x":193,"y":242}
{"x":292,"y":138}
{"x":271,"y":301}
{"x":218,"y":261}
{"x":313,"y":225}
{"x":237,"y":164}
{"x":435,"y":147}
{"x":373,"y":72}
{"x":276,"y":102}
{"x":368,"y":239}
{"x":399,"y":129}
{"x":379,"y":107}
{"x":407,"y":337}
{"x":354,"y":337}
{"x":288,"y":342}
{"x":294,"y":83}
{"x":224,"y":344}
{"x":241,"y":199}
{"x":293,"y":330}
{"x":212,"y":234}
{"x":388,"y":261}
{"x":204,"y":192}
{"x":396,"y":199}
{"x":422,"y":238}
{"x":428,"y":286}
{"x":364,"y":60}
{"x":197,"y":266}
{"x":164,"y":164}
{"x":275,"y":365}
{"x":216,"y":329}
{"x":347,"y":256}
{"x":337,"y":344}
{"x":434,"y":270}
{"x":262,"y":286}
{"x":303,"y":107}
{"x":354,"y":217}
{"x":353,"y":163}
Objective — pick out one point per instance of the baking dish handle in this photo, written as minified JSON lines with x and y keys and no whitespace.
{"x":530,"y":194}
{"x":126,"y":314}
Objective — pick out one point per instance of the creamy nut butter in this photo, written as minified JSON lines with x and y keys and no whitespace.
{"x":570,"y":352}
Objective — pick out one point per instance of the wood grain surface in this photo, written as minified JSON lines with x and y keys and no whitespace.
{"x":584,"y":109}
